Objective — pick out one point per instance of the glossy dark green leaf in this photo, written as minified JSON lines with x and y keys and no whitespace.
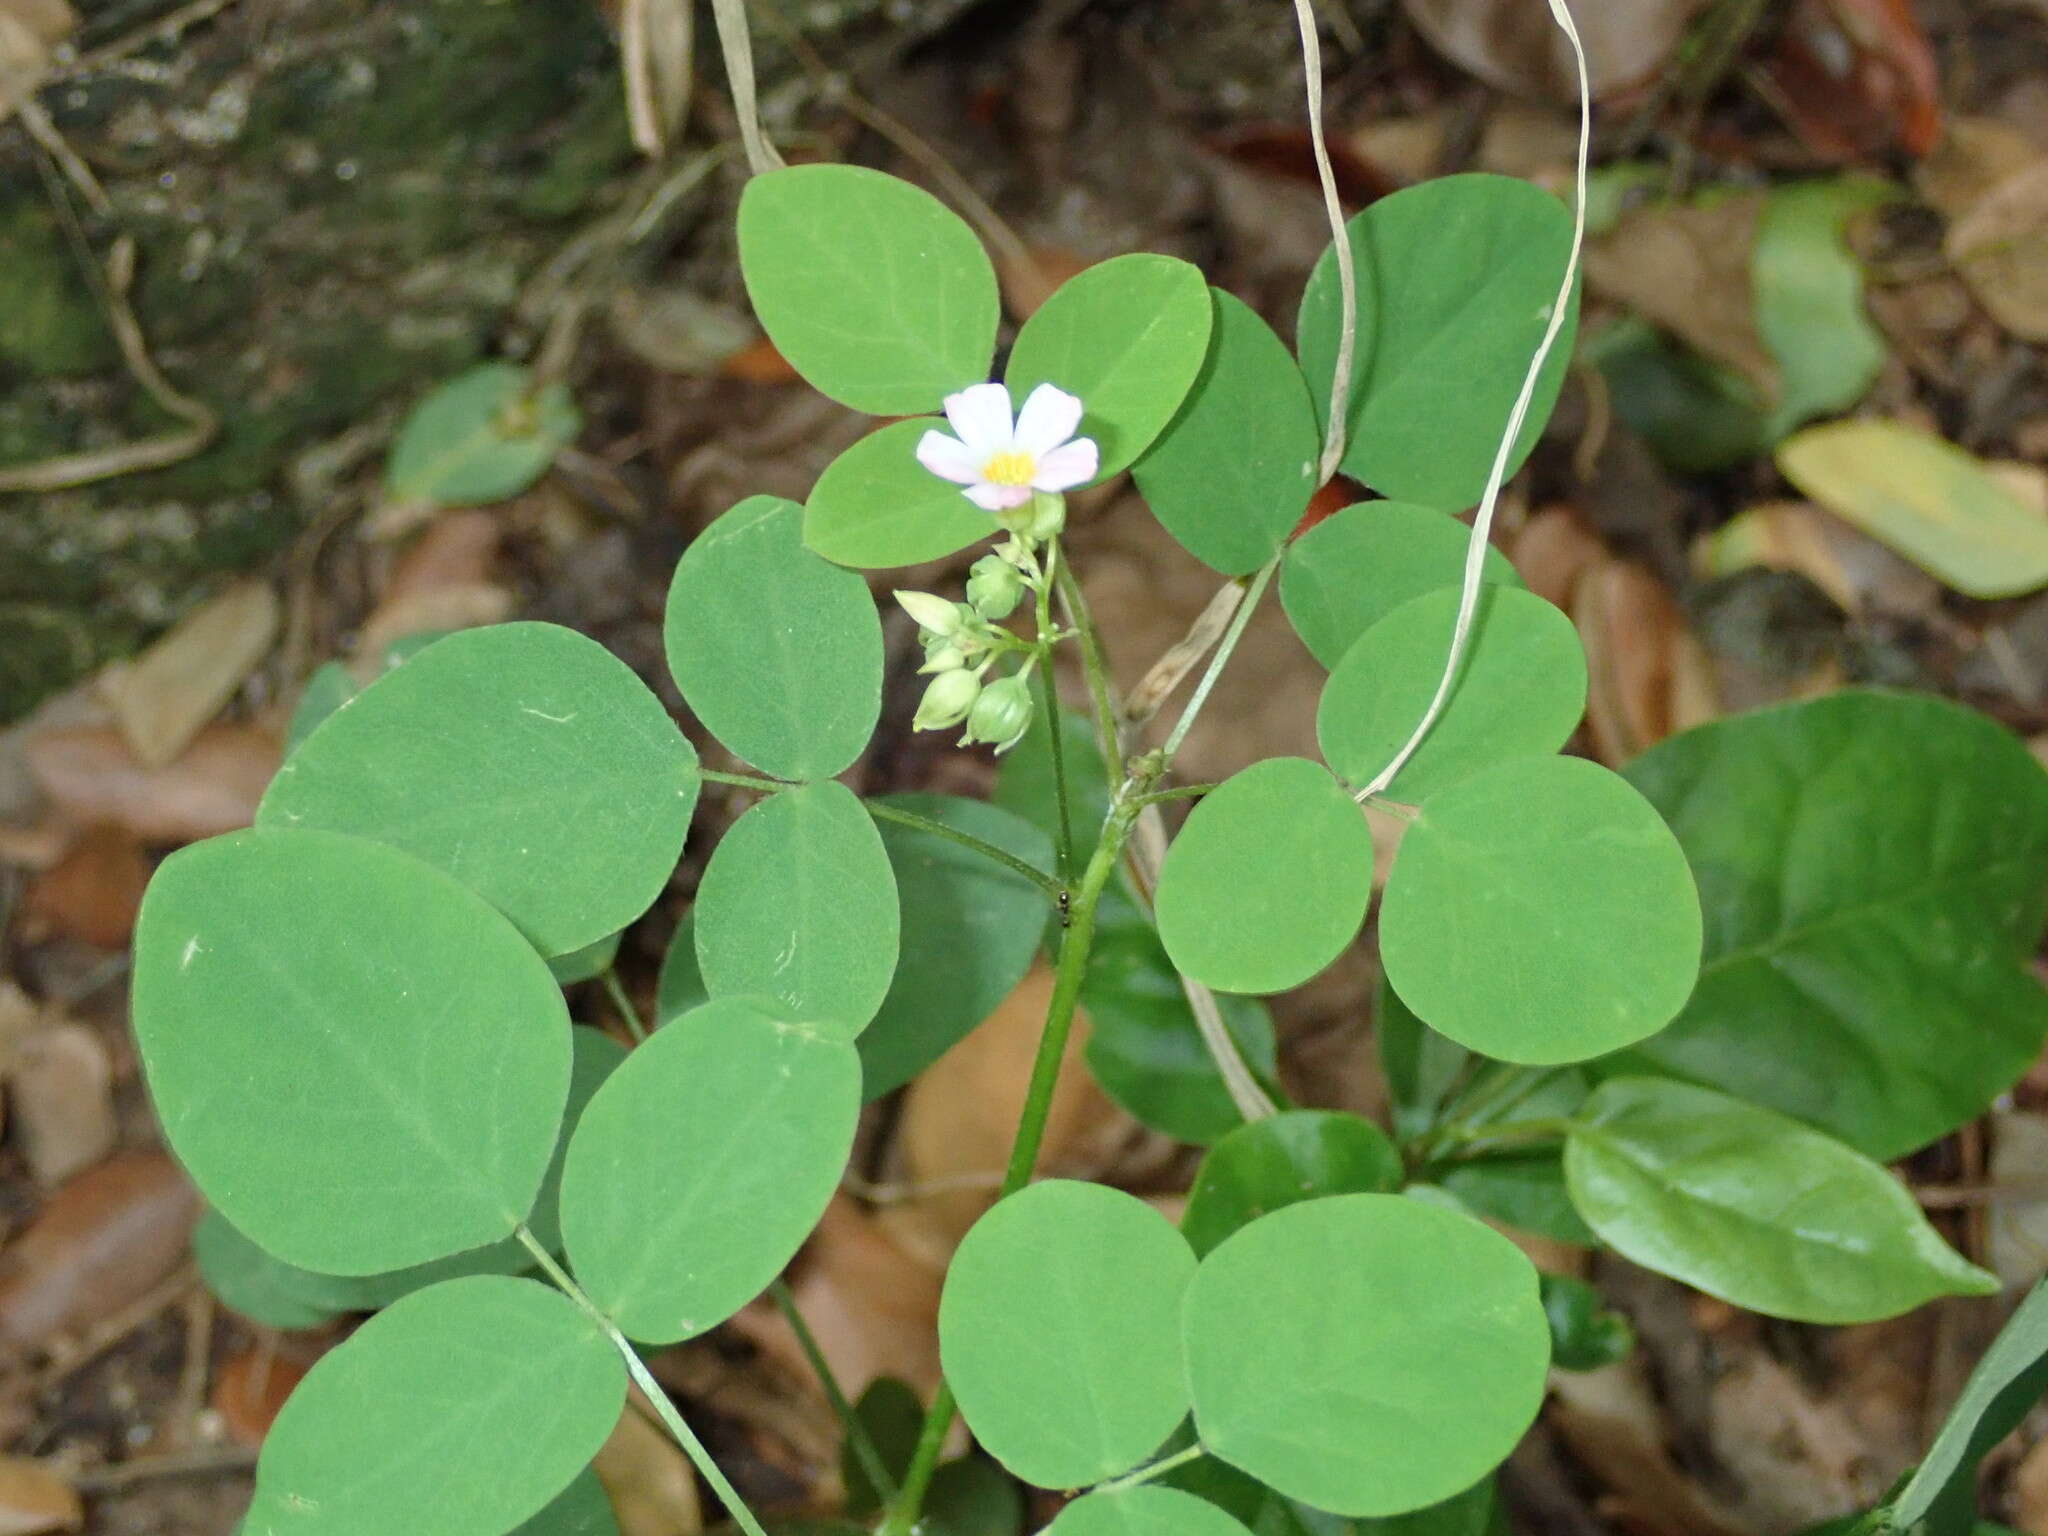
{"x":1584,"y":1334}
{"x":1300,"y":1154}
{"x":702,"y":1165}
{"x":1127,"y":336}
{"x":777,"y":650}
{"x":1523,"y":1190}
{"x":1357,"y":566}
{"x":799,"y":905}
{"x":429,"y":1417}
{"x":1872,"y":868}
{"x":361,"y":1064}
{"x":481,"y":437}
{"x":525,"y":760}
{"x":1520,"y":691}
{"x":1143,"y":1511}
{"x":1541,"y":912}
{"x":1365,"y":1354}
{"x":1232,"y":474}
{"x":1456,"y":279}
{"x":876,"y":292}
{"x":1754,"y":1208}
{"x":972,"y":1496}
{"x":581,"y":1509}
{"x":1282,"y":836}
{"x":893,"y":1415}
{"x":875,"y":506}
{"x":1422,"y":1067}
{"x":1059,"y":1335}
{"x":969,"y":931}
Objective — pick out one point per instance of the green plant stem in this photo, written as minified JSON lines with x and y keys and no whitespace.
{"x":1481,"y":1140}
{"x":857,"y":1436}
{"x":1038,"y":877}
{"x":615,"y":989}
{"x":1095,"y":664}
{"x":1178,"y":792}
{"x":1049,"y":705}
{"x":657,"y":1396}
{"x":1157,"y":1469}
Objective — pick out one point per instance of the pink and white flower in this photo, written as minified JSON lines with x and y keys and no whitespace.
{"x":1003,"y":463}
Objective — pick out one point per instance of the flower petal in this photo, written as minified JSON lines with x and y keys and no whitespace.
{"x":1048,"y":419}
{"x":980,"y":413}
{"x":1067,"y":466}
{"x":948,"y":458}
{"x":998,"y":498}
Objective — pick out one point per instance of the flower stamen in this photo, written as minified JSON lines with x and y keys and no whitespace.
{"x":1010,"y":469}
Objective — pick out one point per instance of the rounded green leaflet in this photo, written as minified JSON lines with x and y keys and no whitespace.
{"x":1143,"y":1511}
{"x":875,"y":506}
{"x":777,"y":650}
{"x":702,"y":1165}
{"x":680,"y":986}
{"x":1299,"y":1154}
{"x":587,"y":963}
{"x":875,"y":291}
{"x":1870,"y":865}
{"x":1282,"y":836}
{"x":581,"y":1509}
{"x":525,"y":760}
{"x":1456,"y":280}
{"x":1358,"y":565}
{"x":799,"y":905}
{"x":969,"y":928}
{"x":1127,"y":336}
{"x":481,"y":437}
{"x":1754,"y":1208}
{"x":1232,"y":474}
{"x":461,"y":1411}
{"x":263,"y":1289}
{"x":1520,"y":691}
{"x":1057,"y":1331}
{"x":361,"y":1064}
{"x":1365,"y":1354}
{"x":1541,"y":912}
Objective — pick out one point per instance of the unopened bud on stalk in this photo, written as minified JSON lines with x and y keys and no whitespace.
{"x":947,"y":701}
{"x":933,"y":613}
{"x":1001,"y":714}
{"x":994,"y":587}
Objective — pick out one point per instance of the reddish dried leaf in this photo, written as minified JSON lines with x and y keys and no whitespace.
{"x":1028,"y":283}
{"x":1286,"y":151}
{"x":90,"y":775}
{"x":1856,"y":77}
{"x":92,"y":893}
{"x":1554,"y":551}
{"x":759,"y":363}
{"x":1331,"y":499}
{"x":250,"y":1390}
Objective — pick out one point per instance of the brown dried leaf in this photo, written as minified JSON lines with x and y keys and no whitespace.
{"x":1029,"y":281}
{"x":1975,"y":157}
{"x":1519,"y":48}
{"x":93,"y":891}
{"x":249,"y":1392}
{"x":30,"y":31}
{"x":34,"y":1500}
{"x":2000,"y":248}
{"x":1553,"y":551}
{"x":101,"y":1242}
{"x":91,"y":775}
{"x":1645,"y":675}
{"x":60,"y":1094}
{"x":1856,"y":77}
{"x":444,"y":580}
{"x":1610,"y":1422}
{"x":2029,"y":1491}
{"x":653,"y":1491}
{"x":161,"y":698}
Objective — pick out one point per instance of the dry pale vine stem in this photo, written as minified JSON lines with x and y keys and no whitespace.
{"x":738,"y":47}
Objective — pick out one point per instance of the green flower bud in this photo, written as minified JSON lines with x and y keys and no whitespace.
{"x":994,"y":587}
{"x":1001,"y":713}
{"x":947,"y":701}
{"x":946,"y":656}
{"x":1040,"y":518}
{"x":932,"y":612}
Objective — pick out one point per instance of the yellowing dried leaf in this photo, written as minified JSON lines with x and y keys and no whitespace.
{"x":1975,"y":156}
{"x":1779,"y":536}
{"x":2000,"y":248}
{"x":34,"y":1500}
{"x":161,"y":698}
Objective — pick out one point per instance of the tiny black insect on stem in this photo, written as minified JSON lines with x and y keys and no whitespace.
{"x":1066,"y":908}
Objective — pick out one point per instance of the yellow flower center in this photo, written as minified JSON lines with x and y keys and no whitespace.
{"x":1009,"y":469}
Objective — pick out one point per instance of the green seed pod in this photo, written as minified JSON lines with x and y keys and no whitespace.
{"x":994,"y":587}
{"x":947,"y":701}
{"x":1001,"y":713}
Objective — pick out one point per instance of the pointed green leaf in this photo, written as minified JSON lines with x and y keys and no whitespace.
{"x":1365,"y":1354}
{"x":525,"y":760}
{"x":799,"y":905}
{"x":1058,"y":1332}
{"x":876,"y":507}
{"x":481,"y":437}
{"x":1301,"y":1154}
{"x":1127,"y":336}
{"x":459,"y":1411}
{"x":876,"y":292}
{"x":1282,"y":836}
{"x":1541,"y":912}
{"x":1232,"y":474}
{"x":1143,"y":1511}
{"x":1357,"y":566}
{"x":361,"y":1064}
{"x":702,"y":1165}
{"x":1754,"y":1208}
{"x":777,"y":650}
{"x":1456,"y":279}
{"x":1520,"y":691}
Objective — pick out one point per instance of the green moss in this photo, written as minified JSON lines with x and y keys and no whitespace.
{"x":52,"y":323}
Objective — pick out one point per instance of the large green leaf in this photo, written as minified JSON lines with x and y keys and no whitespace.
{"x":459,"y":1411}
{"x":1059,"y":1335}
{"x":1282,"y":836}
{"x":1456,"y":279}
{"x":1754,"y":1208}
{"x":969,"y":931}
{"x":1520,"y":691}
{"x":1127,"y":336}
{"x":703,"y":1164}
{"x":361,"y":1064}
{"x":876,"y":292}
{"x":1540,"y":912}
{"x":1232,"y":474}
{"x":1874,"y":869}
{"x":525,"y":760}
{"x":1357,"y":566}
{"x":1301,"y":1154}
{"x":798,"y":904}
{"x":1365,"y":1354}
{"x":1144,"y":1511}
{"x":481,"y":437}
{"x":875,"y":506}
{"x":777,"y":650}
